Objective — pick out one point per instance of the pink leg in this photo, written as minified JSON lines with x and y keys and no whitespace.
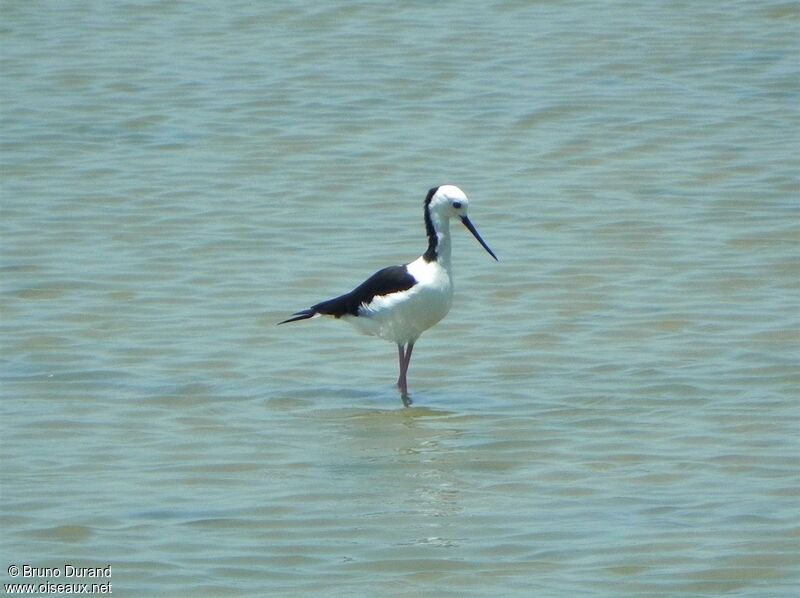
{"x":409,"y":348}
{"x":404,"y":356}
{"x":402,"y":384}
{"x":401,"y":357}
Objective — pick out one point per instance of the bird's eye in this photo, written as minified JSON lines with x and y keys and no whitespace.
{"x":457,"y":205}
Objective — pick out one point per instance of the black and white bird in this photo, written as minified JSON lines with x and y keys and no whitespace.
{"x":399,"y":303}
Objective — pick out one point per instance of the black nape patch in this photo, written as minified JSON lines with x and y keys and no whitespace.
{"x":433,"y":240}
{"x":384,"y":282}
{"x":431,"y":193}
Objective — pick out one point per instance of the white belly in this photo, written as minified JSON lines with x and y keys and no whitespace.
{"x":402,"y":317}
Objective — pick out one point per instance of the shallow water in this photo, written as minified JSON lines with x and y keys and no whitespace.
{"x":612,"y":409}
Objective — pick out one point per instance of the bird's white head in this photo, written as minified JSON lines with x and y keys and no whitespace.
{"x":441,"y":204}
{"x":448,"y":201}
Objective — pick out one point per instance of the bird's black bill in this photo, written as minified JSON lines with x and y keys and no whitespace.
{"x":475,"y":234}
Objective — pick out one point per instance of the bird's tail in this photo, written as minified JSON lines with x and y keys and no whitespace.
{"x":301,"y":315}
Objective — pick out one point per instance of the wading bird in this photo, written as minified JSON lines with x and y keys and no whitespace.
{"x":399,"y":303}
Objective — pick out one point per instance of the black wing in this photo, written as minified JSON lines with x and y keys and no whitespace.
{"x":384,"y":282}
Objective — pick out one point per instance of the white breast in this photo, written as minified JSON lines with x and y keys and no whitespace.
{"x":402,"y":317}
